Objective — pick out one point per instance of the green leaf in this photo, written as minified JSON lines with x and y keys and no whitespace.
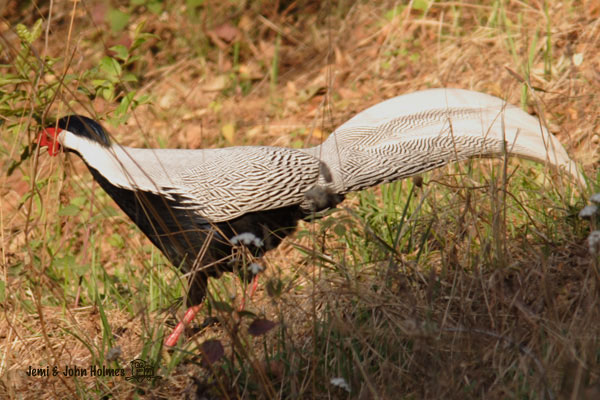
{"x":422,"y":5}
{"x":110,"y":67}
{"x":117,"y":19}
{"x":246,"y":314}
{"x":129,"y":77}
{"x":121,"y":52}
{"x":108,"y":93}
{"x":125,"y":103}
{"x":36,"y":31}
{"x":25,"y":35}
{"x":394,"y":12}
{"x":100,"y":83}
{"x":69,"y":210}
{"x":79,"y":201}
{"x":25,"y":154}
{"x":155,"y":7}
{"x":116,"y":240}
{"x":66,"y":262}
{"x":340,"y":229}
{"x":143,"y":99}
{"x":110,"y":211}
{"x":194,"y":3}
{"x":22,"y":33}
{"x":139,"y":37}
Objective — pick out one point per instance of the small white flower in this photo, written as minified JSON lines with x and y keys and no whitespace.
{"x":594,"y":243}
{"x":340,"y":382}
{"x":588,"y":211}
{"x":247,"y":238}
{"x":595,"y":198}
{"x":255,"y":268}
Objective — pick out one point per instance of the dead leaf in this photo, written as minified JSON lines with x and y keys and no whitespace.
{"x":212,"y":351}
{"x":193,"y":136}
{"x":216,"y":84}
{"x":228,"y":131}
{"x":251,"y":70}
{"x":573,"y":113}
{"x":318,"y":134}
{"x":246,"y":23}
{"x":226,"y":32}
{"x":261,"y":326}
{"x":275,"y":368}
{"x":255,"y":131}
{"x":98,"y":13}
{"x":223,"y":35}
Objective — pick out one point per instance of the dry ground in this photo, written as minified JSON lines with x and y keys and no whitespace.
{"x":463,"y":322}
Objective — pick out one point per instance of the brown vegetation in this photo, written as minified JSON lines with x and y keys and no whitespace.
{"x":476,"y":306}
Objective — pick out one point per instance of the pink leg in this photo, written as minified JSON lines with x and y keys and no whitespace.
{"x":252,"y":291}
{"x":190,"y":314}
{"x":254,"y":286}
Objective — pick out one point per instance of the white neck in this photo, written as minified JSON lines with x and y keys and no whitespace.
{"x":121,"y":166}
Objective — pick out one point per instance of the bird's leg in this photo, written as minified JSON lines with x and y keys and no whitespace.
{"x":254,"y":286}
{"x":249,"y":293}
{"x":196,"y":295}
{"x":254,"y":269}
{"x":189,"y":316}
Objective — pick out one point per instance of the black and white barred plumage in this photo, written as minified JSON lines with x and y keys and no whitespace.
{"x":195,"y":205}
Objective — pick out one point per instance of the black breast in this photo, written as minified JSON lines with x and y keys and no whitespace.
{"x":193,"y":243}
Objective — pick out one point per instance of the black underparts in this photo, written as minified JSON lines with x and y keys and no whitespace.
{"x":189,"y":241}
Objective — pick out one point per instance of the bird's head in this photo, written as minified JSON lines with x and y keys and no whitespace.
{"x":76,"y":124}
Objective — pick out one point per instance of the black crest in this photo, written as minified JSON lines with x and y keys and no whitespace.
{"x":84,"y":126}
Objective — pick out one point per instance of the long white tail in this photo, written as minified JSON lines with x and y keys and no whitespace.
{"x":417,"y":132}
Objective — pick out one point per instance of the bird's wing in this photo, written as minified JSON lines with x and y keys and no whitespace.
{"x":420,"y":131}
{"x":222,"y":184}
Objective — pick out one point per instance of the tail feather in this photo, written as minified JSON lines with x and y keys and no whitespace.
{"x":414,"y":133}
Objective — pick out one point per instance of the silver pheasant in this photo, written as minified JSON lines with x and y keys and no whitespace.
{"x":197,"y":205}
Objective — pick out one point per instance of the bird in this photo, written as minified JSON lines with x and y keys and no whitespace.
{"x":199,"y":205}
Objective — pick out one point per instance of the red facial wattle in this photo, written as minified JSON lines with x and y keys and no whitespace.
{"x":49,"y":137}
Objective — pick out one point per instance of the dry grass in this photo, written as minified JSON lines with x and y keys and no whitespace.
{"x":489,"y":293}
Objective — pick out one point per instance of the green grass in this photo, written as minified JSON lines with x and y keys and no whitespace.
{"x":474,"y":283}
